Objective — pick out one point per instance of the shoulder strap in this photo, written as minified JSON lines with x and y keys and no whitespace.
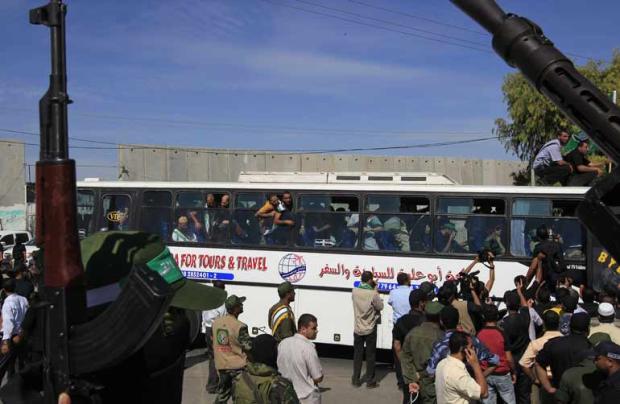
{"x":246,"y":378}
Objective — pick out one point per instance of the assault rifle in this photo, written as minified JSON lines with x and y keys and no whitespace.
{"x":74,"y":347}
{"x":522,"y":44}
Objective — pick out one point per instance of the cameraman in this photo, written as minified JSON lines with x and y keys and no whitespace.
{"x":488,"y":257}
{"x":549,"y":257}
{"x":469,"y":307}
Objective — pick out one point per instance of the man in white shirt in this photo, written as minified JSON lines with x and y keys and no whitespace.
{"x":453,"y":384}
{"x":13,"y":312}
{"x":299,"y":362}
{"x":207,"y":328}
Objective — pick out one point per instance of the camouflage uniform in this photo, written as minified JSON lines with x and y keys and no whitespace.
{"x":262,"y":384}
{"x":231,"y":341}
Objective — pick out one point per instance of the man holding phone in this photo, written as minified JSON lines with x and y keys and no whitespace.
{"x":453,"y":384}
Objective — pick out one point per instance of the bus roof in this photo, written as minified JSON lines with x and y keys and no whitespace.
{"x":398,"y":187}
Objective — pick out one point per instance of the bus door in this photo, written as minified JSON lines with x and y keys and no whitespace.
{"x":85,"y":212}
{"x":116,"y":212}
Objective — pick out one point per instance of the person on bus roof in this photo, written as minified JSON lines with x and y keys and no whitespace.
{"x":549,"y":165}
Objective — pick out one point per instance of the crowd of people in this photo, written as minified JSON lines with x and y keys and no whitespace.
{"x":20,"y":281}
{"x":573,"y":169}
{"x":548,"y":340}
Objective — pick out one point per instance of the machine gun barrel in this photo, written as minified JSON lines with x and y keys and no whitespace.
{"x":522,"y":44}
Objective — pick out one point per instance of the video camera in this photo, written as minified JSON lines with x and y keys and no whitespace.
{"x":465,"y":282}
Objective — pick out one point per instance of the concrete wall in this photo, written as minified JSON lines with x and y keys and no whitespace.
{"x":155,"y":163}
{"x":12,"y":185}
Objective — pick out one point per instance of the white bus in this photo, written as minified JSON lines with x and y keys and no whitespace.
{"x":341,"y":229}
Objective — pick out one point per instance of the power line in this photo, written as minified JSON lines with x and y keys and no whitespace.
{"x":391,"y":23}
{"x":417,"y":17}
{"x":378,"y":26}
{"x":272,"y":128}
{"x":278,"y":152}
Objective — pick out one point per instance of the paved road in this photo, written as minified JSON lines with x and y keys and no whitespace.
{"x":337,"y":383}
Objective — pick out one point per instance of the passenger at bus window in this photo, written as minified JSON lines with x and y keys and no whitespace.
{"x":476,"y":233}
{"x":195,"y":224}
{"x":447,"y":239}
{"x":398,"y":229}
{"x":182,"y":231}
{"x":221,"y":221}
{"x":287,"y":200}
{"x":344,"y":237}
{"x":266,"y":213}
{"x":208,"y":212}
{"x":420,"y":232}
{"x":373,"y":227}
{"x":493,"y":242}
{"x":284,"y":222}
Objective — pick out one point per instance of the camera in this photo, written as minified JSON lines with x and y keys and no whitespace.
{"x":485,"y":255}
{"x":466,"y":281}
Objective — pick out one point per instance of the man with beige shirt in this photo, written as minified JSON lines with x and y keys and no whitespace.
{"x":606,"y":318}
{"x":367,"y":306}
{"x":551,"y":321}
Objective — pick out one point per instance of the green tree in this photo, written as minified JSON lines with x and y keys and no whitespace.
{"x":534,"y":120}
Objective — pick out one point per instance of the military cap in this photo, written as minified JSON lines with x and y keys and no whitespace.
{"x":285,"y":287}
{"x":607,"y":349}
{"x":433,"y":308}
{"x":232,"y":301}
{"x":108,"y":257}
{"x":598,"y":337}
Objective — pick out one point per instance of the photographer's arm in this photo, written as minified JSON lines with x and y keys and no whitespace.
{"x":534,"y":265}
{"x":491,"y":281}
{"x":470,"y":266}
{"x":522,"y":299}
{"x":474,"y":295}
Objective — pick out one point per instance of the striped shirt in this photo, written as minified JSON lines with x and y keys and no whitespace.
{"x":550,"y":152}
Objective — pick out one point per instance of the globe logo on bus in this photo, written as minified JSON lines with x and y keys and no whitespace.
{"x":292,"y":268}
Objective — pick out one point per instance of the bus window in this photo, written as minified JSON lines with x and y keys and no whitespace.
{"x":216,"y":216}
{"x":328,"y":221}
{"x":116,"y":210}
{"x":188,"y":217}
{"x":397,"y":223}
{"x":528,"y":214}
{"x":155,"y":213}
{"x":85,"y":211}
{"x":246,"y":225}
{"x":469,"y":225}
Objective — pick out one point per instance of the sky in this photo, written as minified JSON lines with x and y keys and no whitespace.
{"x":277,"y":74}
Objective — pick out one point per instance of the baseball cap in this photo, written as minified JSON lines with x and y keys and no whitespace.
{"x":285,"y":287}
{"x":428,"y":288}
{"x":108,"y":258}
{"x":607,"y":349}
{"x":598,"y":337}
{"x":606,"y":310}
{"x":433,"y":308}
{"x":233,"y":300}
{"x":449,"y":225}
